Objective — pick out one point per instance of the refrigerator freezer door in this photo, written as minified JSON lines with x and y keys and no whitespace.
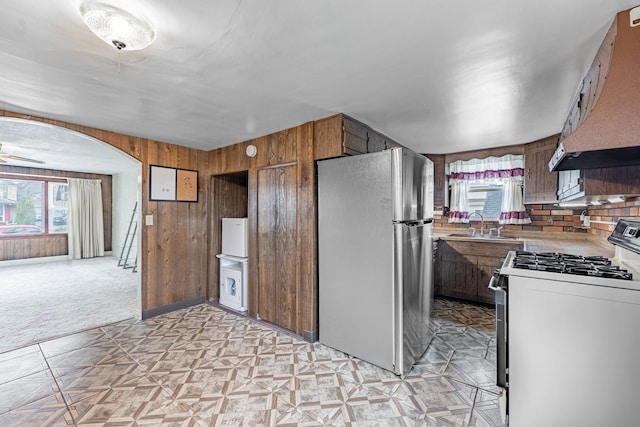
{"x":414,"y":288}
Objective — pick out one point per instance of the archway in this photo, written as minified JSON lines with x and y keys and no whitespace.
{"x":66,"y":153}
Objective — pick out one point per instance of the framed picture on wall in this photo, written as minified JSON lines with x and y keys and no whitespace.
{"x":186,"y":185}
{"x":162,"y":183}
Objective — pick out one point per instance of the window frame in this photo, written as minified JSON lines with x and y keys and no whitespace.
{"x":45,"y":202}
{"x":485,"y":183}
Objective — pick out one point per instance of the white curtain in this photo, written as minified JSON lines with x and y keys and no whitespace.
{"x":86,"y":229}
{"x":513,"y":210}
{"x":458,"y":205}
{"x":508,"y":169}
{"x":490,"y":167}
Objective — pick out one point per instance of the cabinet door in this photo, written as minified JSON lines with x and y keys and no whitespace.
{"x":570,"y":184}
{"x":620,"y":180}
{"x":277,"y":232}
{"x":456,"y":273}
{"x":540,"y":185}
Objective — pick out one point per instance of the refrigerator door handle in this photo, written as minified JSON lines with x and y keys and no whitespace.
{"x":414,"y":222}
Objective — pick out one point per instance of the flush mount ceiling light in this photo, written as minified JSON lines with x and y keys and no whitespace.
{"x":117,"y":27}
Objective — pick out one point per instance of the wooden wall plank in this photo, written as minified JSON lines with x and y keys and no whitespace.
{"x":307,"y":301}
{"x":285,"y":286}
{"x":252,"y":214}
{"x":267,"y":244}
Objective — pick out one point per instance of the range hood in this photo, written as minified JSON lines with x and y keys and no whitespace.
{"x":609,"y":136}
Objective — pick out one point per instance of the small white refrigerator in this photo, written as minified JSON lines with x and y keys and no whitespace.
{"x":234,"y":264}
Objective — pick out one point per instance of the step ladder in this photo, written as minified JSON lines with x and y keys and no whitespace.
{"x":130,"y":242}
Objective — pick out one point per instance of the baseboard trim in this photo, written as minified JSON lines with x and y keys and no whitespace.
{"x":38,"y":260}
{"x":173,"y":307}
{"x":42,"y":260}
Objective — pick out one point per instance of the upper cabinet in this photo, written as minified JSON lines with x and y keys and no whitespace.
{"x":540,"y":185}
{"x":598,"y":185}
{"x":341,"y":135}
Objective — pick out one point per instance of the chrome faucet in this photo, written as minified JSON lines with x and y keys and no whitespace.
{"x":497,"y":230}
{"x":481,"y":223}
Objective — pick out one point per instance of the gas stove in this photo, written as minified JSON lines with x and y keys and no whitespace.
{"x":570,"y":268}
{"x":553,"y":262}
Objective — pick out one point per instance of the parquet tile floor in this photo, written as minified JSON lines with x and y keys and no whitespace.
{"x":204,"y":366}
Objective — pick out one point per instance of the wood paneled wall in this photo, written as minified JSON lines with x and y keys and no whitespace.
{"x":54,"y":245}
{"x":282,"y":171}
{"x":33,"y":247}
{"x":174,"y":252}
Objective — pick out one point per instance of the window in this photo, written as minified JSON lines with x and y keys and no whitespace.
{"x":491,"y":187}
{"x":486,"y":198}
{"x":32,"y":206}
{"x":57,"y":207}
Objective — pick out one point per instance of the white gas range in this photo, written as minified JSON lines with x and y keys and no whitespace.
{"x":568,"y":335}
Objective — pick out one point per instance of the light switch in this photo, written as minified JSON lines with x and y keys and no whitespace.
{"x":148,"y":220}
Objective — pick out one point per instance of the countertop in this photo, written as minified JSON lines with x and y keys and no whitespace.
{"x":572,"y":243}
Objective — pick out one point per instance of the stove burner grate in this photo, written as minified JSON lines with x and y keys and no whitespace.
{"x":570,"y":264}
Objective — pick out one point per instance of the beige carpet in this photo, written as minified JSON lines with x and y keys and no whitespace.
{"x":42,"y":301}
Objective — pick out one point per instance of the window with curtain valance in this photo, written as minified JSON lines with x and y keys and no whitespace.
{"x":490,"y":186}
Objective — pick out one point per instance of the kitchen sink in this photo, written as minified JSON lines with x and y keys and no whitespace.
{"x":484,"y":237}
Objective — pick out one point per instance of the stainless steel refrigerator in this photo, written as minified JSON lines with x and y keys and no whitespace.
{"x":375,"y":256}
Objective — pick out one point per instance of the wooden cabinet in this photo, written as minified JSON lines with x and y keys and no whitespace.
{"x":354,"y":137}
{"x":570,"y":184}
{"x":341,"y":135}
{"x":464,"y":268}
{"x":455,"y":273}
{"x":598,"y":183}
{"x":277,"y":246}
{"x":540,"y":185}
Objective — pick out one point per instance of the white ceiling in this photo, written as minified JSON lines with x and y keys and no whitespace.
{"x":437,"y":76}
{"x":60,"y":148}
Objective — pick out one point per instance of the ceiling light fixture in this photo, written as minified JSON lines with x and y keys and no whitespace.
{"x":117,"y":27}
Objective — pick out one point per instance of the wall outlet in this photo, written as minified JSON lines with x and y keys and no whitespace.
{"x":549,"y":221}
{"x":611,"y":227}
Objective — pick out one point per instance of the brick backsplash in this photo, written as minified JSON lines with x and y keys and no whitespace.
{"x":611,"y":213}
{"x":551,"y":218}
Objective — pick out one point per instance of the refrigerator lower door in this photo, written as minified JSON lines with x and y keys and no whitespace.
{"x":414,"y":292}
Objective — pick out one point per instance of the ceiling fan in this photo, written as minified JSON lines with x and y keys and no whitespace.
{"x":7,"y":156}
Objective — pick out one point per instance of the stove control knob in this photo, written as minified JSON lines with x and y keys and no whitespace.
{"x":632,"y":232}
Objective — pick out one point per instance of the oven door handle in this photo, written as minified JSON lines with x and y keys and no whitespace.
{"x":492,"y":284}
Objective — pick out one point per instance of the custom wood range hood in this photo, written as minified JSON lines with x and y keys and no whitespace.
{"x":603,"y":129}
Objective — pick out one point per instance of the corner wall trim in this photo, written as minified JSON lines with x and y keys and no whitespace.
{"x":310,"y":336}
{"x":173,"y":307}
